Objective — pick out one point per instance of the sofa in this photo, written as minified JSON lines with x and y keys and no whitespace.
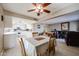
{"x":72,"y":38}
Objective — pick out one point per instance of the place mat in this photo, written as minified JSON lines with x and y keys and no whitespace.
{"x":39,"y":38}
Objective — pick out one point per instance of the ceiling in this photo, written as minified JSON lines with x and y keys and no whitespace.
{"x":21,"y":8}
{"x":74,"y":16}
{"x":68,"y":12}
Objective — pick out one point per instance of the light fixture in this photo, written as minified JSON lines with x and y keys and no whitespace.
{"x":39,"y":8}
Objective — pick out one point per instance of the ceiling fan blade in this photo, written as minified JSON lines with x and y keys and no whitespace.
{"x":31,"y":10}
{"x":34,"y":4}
{"x":47,"y":11}
{"x":38,"y":14}
{"x":46,"y":4}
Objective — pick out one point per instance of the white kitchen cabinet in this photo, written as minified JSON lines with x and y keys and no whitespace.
{"x":10,"y":40}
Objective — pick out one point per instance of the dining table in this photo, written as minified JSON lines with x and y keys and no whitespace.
{"x":35,"y":45}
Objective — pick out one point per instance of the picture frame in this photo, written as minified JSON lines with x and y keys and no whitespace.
{"x":65,"y":26}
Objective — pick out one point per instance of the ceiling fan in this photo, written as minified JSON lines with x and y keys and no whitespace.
{"x":39,"y":8}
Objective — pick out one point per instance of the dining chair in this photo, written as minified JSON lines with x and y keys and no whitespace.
{"x":50,"y":47}
{"x":48,"y":34}
{"x":22,"y":47}
{"x":34,"y":34}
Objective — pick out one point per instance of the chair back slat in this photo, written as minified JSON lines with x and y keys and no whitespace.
{"x":22,"y":47}
{"x":51,"y":45}
{"x":34,"y":34}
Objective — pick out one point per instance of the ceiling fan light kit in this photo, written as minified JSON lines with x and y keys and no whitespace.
{"x":40,"y":8}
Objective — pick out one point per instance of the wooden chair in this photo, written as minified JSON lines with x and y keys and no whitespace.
{"x":22,"y":47}
{"x":51,"y":47}
{"x":35,"y":34}
{"x":48,"y":34}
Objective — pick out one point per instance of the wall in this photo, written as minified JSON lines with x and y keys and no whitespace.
{"x":74,"y":26}
{"x":55,"y":26}
{"x":44,"y":27}
{"x":1,"y":31}
{"x":8,"y":21}
{"x":39,"y":30}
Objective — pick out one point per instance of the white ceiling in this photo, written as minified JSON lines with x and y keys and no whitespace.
{"x":74,"y":16}
{"x":22,"y":8}
{"x":55,"y":8}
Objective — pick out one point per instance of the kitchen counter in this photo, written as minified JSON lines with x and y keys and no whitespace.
{"x":7,"y":33}
{"x":10,"y":39}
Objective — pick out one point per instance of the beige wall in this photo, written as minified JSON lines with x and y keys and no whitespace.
{"x":1,"y":30}
{"x":73,"y":26}
{"x":55,"y":26}
{"x":40,"y":30}
{"x":43,"y":27}
{"x":8,"y":21}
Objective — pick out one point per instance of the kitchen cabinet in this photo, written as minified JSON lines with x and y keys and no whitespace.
{"x":10,"y":40}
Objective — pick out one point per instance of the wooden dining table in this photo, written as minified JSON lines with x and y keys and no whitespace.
{"x":35,"y":45}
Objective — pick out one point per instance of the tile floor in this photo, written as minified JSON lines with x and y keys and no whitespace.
{"x":61,"y":50}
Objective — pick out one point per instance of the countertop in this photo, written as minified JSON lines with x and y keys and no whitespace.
{"x":7,"y":33}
